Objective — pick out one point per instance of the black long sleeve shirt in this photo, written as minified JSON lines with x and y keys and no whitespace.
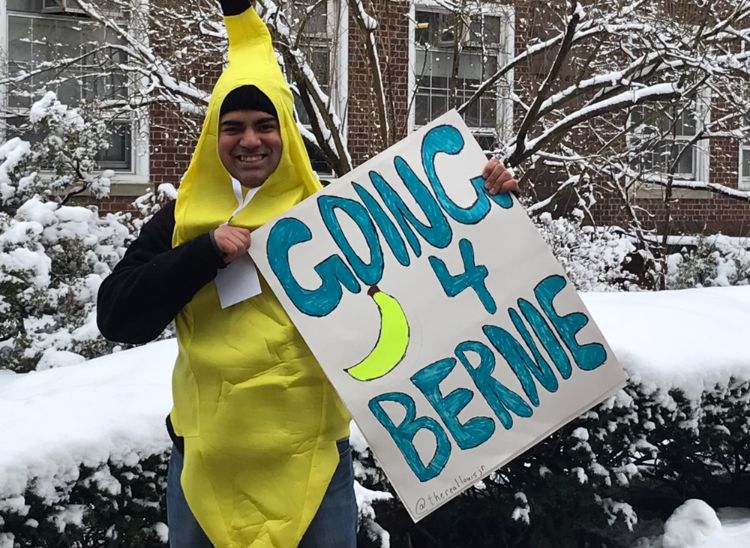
{"x":153,"y":281}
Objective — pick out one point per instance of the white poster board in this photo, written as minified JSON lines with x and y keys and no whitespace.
{"x":437,"y":312}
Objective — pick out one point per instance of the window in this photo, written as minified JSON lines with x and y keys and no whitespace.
{"x":441,"y":82}
{"x":659,"y":136}
{"x":745,"y":166}
{"x":324,"y":41}
{"x":40,"y":31}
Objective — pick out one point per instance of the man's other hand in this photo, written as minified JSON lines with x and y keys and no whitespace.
{"x":232,"y":241}
{"x":498,"y":178}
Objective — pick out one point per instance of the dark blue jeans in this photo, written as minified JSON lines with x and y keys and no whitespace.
{"x":334,"y":525}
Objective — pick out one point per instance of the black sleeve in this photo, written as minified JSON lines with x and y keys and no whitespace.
{"x":153,"y":281}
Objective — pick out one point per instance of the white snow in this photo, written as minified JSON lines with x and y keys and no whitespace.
{"x":696,"y":525}
{"x":109,"y":407}
{"x":58,"y":358}
{"x":687,"y":339}
{"x":690,"y":525}
{"x":114,"y":407}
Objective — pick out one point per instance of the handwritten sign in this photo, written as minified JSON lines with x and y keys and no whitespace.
{"x":438,"y":314}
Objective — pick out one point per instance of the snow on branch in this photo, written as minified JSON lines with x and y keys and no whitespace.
{"x":701,"y":185}
{"x":562,"y":54}
{"x":658,"y":92}
{"x":327,"y":126}
{"x":584,"y":32}
{"x":140,"y":55}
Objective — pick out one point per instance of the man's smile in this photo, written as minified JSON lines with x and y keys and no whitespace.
{"x":251,"y":158}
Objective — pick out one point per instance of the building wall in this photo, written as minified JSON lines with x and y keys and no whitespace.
{"x":692,"y":212}
{"x":173,"y":135}
{"x":172,"y":144}
{"x":364,"y":137}
{"x":689,"y":211}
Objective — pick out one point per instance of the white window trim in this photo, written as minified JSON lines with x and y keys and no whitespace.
{"x":338,"y":17}
{"x":702,"y":158}
{"x":4,"y":58}
{"x":138,"y":174}
{"x":743,"y":181}
{"x":337,"y":33}
{"x":504,"y":110}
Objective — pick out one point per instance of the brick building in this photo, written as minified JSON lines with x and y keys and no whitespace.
{"x":415,"y":39}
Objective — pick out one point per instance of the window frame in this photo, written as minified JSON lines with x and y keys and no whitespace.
{"x":124,"y":178}
{"x":701,"y":149}
{"x":504,"y":107}
{"x":743,"y":181}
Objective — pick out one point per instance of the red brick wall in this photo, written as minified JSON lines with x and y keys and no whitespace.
{"x":111,"y":204}
{"x":173,"y":135}
{"x":704,"y":214}
{"x":171,"y":144}
{"x":393,"y":45}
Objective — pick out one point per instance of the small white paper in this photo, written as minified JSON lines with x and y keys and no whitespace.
{"x":238,"y":281}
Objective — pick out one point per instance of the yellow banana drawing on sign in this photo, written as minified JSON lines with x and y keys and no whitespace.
{"x":392,"y":342}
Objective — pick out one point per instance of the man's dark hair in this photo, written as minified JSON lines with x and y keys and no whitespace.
{"x":247,"y":98}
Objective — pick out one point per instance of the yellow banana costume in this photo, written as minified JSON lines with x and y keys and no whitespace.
{"x":258,"y":416}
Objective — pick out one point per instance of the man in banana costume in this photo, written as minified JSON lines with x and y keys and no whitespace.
{"x":261,"y":453}
{"x":259,"y":432}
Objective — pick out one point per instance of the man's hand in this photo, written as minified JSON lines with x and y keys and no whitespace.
{"x":232,"y":241}
{"x":498,"y":178}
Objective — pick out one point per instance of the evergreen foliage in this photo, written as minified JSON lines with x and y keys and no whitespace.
{"x":712,"y":261}
{"x":114,"y":504}
{"x":53,"y":256}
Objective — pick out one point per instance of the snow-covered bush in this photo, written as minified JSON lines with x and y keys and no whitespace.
{"x":587,"y":485}
{"x":53,"y":256}
{"x":712,"y":261}
{"x":151,"y":202}
{"x":699,"y":443}
{"x":60,"y":163}
{"x":593,"y":258}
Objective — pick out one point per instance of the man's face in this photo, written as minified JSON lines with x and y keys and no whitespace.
{"x":249,"y":145}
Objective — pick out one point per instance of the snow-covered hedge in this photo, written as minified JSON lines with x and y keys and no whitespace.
{"x":637,"y":456}
{"x":709,"y":261}
{"x":111,"y":504}
{"x":594,"y":258}
{"x":85,"y":445}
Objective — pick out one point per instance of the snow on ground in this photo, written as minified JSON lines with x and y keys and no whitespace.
{"x":696,"y":525}
{"x":687,"y":339}
{"x":114,"y":406}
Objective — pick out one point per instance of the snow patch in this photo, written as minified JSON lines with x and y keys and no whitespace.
{"x":691,"y":525}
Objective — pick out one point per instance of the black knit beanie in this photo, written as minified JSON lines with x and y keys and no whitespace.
{"x":247,"y":98}
{"x":235,"y":7}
